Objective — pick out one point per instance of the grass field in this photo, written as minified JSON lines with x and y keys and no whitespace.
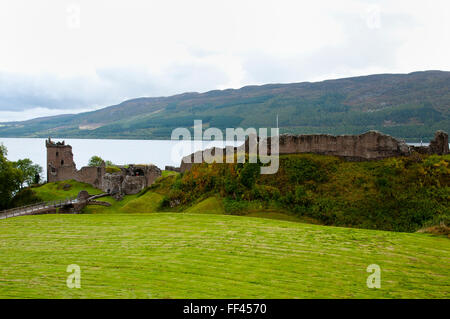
{"x":175,"y":255}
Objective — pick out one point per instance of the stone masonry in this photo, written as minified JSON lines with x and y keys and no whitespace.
{"x":368,"y":146}
{"x":371,"y":145}
{"x":129,"y":180}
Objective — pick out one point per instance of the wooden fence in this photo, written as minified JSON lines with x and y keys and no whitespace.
{"x":36,"y":208}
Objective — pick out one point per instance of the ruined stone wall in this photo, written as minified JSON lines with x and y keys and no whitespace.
{"x":189,"y":160}
{"x":119,"y":183}
{"x":130,"y":180}
{"x":185,"y":165}
{"x":133,"y":184}
{"x":368,"y":146}
{"x":137,"y":177}
{"x":152,"y":176}
{"x":439,"y":145}
{"x":90,"y":175}
{"x":112,"y":183}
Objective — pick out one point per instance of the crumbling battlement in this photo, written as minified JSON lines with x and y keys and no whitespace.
{"x":371,"y":145}
{"x":61,"y":167}
{"x":439,"y":145}
{"x":368,"y":146}
{"x":60,"y":164}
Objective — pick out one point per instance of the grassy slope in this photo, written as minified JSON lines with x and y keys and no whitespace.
{"x":139,"y":203}
{"x":214,"y":205}
{"x":148,"y":202}
{"x":213,"y":256}
{"x":210,"y":205}
{"x":55,"y":191}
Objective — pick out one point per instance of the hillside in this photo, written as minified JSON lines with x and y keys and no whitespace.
{"x":398,"y":194}
{"x":213,"y":256}
{"x":411,"y":106}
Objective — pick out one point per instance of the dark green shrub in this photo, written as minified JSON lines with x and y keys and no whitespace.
{"x":234,"y":207}
{"x":300,"y":170}
{"x":25,"y":197}
{"x":248,"y":174}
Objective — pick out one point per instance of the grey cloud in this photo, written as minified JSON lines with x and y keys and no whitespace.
{"x":20,"y":92}
{"x":109,"y":86}
{"x":363,"y":48}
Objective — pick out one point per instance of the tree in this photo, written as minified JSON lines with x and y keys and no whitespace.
{"x":10,"y":179}
{"x":37,"y":178}
{"x":95,"y":161}
{"x":31,"y":173}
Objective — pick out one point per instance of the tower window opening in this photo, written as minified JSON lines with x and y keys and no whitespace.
{"x":62,"y":162}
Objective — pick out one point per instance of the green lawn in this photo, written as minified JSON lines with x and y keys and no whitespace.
{"x":175,"y":255}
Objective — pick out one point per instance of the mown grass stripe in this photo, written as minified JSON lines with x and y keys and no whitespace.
{"x":201,"y":256}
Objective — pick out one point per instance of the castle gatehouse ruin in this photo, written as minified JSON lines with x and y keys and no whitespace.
{"x":125,"y":181}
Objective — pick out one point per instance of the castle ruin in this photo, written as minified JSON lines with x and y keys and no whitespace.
{"x":132,"y":179}
{"x":127,"y":180}
{"x":60,"y":166}
{"x":371,"y":145}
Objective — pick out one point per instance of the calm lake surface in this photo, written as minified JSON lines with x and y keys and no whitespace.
{"x":120,"y":152}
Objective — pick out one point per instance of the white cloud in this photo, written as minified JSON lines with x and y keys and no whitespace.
{"x":28,"y":114}
{"x":54,"y":58}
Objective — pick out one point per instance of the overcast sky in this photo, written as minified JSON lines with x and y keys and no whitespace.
{"x":62,"y":56}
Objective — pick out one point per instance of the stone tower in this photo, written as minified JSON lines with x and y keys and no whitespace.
{"x":60,"y":164}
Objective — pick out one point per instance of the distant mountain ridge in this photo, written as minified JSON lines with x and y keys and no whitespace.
{"x":411,"y":106}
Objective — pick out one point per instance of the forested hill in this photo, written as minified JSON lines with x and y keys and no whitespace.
{"x":411,"y":106}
